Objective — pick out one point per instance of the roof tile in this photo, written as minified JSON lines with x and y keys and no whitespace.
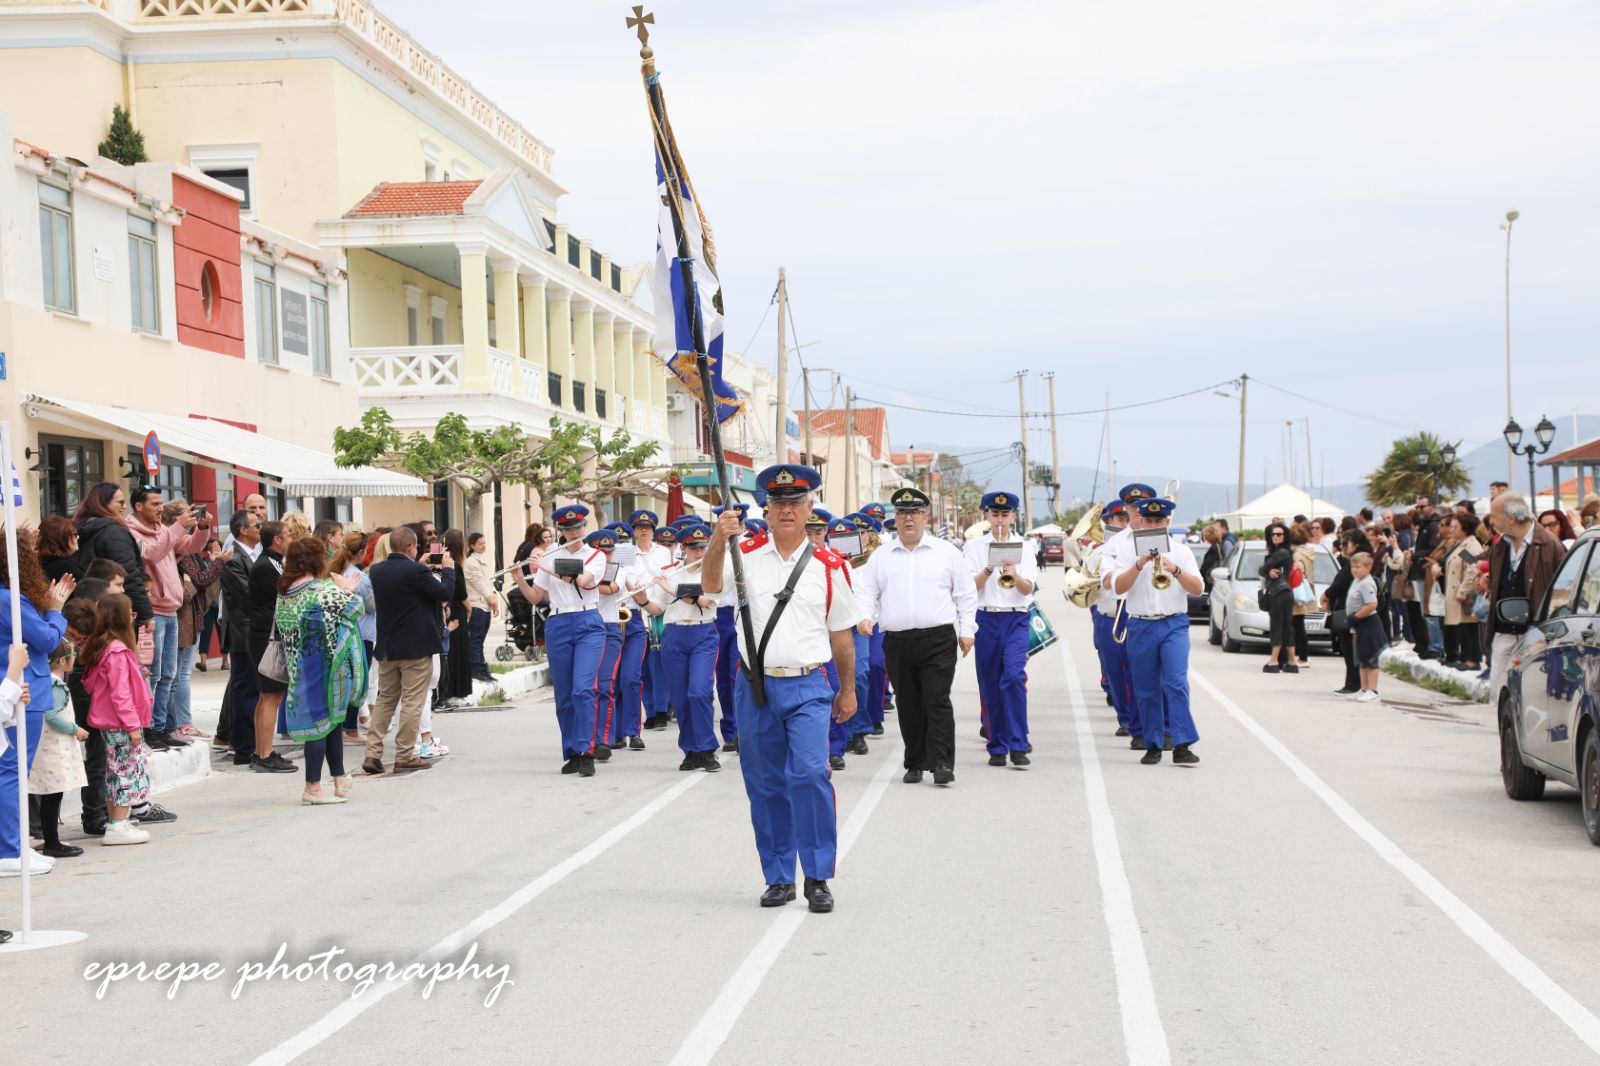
{"x":391,"y":198}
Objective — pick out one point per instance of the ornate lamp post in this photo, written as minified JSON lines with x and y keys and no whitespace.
{"x":1544,"y":434}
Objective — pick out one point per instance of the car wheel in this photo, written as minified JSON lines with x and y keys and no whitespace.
{"x":1521,"y":782}
{"x":1589,"y":785}
{"x":1215,"y":636}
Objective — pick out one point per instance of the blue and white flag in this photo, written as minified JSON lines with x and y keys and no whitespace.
{"x":16,"y":487}
{"x":675,"y":303}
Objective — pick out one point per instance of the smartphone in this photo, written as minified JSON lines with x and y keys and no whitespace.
{"x":200,"y":511}
{"x":436,"y":555}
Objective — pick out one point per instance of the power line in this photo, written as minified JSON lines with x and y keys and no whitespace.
{"x":1063,"y":414}
{"x":1332,"y":406}
{"x":763,"y":321}
{"x":924,"y":395}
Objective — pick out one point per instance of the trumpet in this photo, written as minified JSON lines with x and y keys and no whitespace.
{"x":1160,"y":580}
{"x":1007,"y":581}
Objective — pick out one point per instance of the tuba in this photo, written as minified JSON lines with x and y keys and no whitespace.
{"x":870,"y":542}
{"x":1081,"y":586}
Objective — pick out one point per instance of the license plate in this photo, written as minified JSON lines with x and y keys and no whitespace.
{"x":1315,"y":625}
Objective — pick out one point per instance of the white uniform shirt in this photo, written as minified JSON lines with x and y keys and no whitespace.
{"x":1142,"y":598}
{"x":823,"y":603}
{"x":610,"y":602}
{"x":657,"y":558}
{"x":931,"y":586}
{"x":564,"y":595}
{"x":991,"y":594}
{"x":678,"y":611}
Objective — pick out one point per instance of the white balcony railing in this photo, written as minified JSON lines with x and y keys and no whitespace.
{"x":428,"y":368}
{"x":532,"y":384}
{"x":502,"y":372}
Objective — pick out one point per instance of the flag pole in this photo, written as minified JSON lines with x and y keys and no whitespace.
{"x":668,"y":158}
{"x":14,"y":586}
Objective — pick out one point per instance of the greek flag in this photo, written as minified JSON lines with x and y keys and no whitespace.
{"x":675,"y":302}
{"x":16,"y":487}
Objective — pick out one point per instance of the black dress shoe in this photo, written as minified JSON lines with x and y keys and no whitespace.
{"x":586,"y":766}
{"x":818,"y":898}
{"x":1151,"y":756}
{"x":1183,"y":756}
{"x":570,"y":766}
{"x":913,"y":777}
{"x":943,"y":775}
{"x":1346,"y":691}
{"x":94,"y":829}
{"x":983,"y":731}
{"x":1122,"y":731}
{"x":1271,"y":668}
{"x":877,"y":730}
{"x":1108,"y":700}
{"x":858,"y":744}
{"x":777,"y":895}
{"x":732,"y":745}
{"x":1020,"y":758}
{"x":1136,"y":743}
{"x":635,"y":744}
{"x":997,"y":760}
{"x":602,"y":752}
{"x":690,"y":761}
{"x":708,"y":762}
{"x":63,"y":851}
{"x":1291,"y":669}
{"x":836,"y":762}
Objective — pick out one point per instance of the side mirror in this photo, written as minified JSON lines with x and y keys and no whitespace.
{"x":1219,"y":574}
{"x":1514,"y":611}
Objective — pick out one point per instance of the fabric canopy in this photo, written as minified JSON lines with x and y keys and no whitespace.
{"x":301,"y":471}
{"x":1283,"y":502}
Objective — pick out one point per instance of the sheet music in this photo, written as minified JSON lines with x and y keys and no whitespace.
{"x":1001,"y":554}
{"x":1146,"y":541}
{"x":625,"y":555}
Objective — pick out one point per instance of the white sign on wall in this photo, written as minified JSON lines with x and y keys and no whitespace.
{"x":102,"y":263}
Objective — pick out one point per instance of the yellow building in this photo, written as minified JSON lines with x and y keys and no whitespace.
{"x":465,"y":292}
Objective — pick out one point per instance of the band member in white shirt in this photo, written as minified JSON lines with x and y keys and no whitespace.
{"x":802,"y":613}
{"x":1001,"y":651}
{"x":919,"y":589}
{"x":1158,"y":626}
{"x":689,"y":648}
{"x":633,"y":589}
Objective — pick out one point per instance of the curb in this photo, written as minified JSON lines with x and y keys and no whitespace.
{"x":1477,"y":688}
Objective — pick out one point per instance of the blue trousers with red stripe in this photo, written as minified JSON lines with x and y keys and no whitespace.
{"x":575,"y":643}
{"x":727,"y":666}
{"x":877,"y":679}
{"x":630,"y":679}
{"x":605,"y":706}
{"x":783,"y":748}
{"x":689,"y":654}
{"x":841,"y":733}
{"x":1114,"y":667}
{"x":1001,"y":650}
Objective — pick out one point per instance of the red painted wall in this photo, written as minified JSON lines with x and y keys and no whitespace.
{"x":209,"y":233}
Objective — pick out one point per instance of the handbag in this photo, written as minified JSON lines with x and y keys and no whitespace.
{"x":1297,"y":576}
{"x":273,"y":666}
{"x":1304,"y":594}
{"x":1339,"y":621}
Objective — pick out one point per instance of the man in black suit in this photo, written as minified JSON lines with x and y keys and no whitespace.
{"x":409,"y":598}
{"x":263,"y":592}
{"x":242,"y":692}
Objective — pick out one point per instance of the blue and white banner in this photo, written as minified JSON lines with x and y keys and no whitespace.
{"x":16,"y":487}
{"x":675,"y":303}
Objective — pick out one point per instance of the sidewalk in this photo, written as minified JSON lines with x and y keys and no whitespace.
{"x":1477,"y":688}
{"x":183,"y":766}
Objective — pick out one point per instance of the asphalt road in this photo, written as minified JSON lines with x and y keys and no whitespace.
{"x":1334,"y":883}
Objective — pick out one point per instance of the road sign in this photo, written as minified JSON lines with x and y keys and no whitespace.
{"x":152,"y":455}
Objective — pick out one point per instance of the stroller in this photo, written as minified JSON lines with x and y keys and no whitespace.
{"x":524,"y":629}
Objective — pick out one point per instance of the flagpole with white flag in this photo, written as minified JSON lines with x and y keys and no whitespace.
{"x":688,"y":307}
{"x":27,"y":936}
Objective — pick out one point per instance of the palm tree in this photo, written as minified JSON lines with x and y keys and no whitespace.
{"x":1403,"y":476}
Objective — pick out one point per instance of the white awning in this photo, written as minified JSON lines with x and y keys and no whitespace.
{"x":229,"y":450}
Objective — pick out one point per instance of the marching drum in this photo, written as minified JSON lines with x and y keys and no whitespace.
{"x":1041,"y":634}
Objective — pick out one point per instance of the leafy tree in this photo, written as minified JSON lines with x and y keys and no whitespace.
{"x":1401,"y":479}
{"x":576,"y":461}
{"x":123,"y":143}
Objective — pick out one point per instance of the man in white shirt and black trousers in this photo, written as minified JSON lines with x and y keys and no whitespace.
{"x":1158,"y":625}
{"x":802,"y":612}
{"x":920,"y":590}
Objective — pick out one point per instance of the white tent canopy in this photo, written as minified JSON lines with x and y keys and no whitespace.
{"x":1283,"y":502}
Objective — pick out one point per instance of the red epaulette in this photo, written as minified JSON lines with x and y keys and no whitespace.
{"x":750,"y":544}
{"x":832,"y":558}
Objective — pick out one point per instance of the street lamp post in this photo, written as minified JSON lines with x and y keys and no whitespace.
{"x":1511,"y":218}
{"x":1447,"y":458}
{"x":1544,"y":435}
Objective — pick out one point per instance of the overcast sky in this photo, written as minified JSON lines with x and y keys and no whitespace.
{"x":1144,"y":198}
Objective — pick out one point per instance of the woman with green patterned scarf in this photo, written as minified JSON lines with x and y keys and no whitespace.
{"x":316,"y":621}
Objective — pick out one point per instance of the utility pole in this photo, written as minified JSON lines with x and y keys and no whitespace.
{"x":1022,"y":415}
{"x":1244,"y":387}
{"x":849,"y":449}
{"x":1055,"y":454}
{"x":781,"y":433}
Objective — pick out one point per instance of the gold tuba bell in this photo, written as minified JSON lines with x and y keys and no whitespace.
{"x":624,"y":615}
{"x":1081,"y":585}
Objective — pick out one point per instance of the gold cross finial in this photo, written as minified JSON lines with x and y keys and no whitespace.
{"x":640,"y":20}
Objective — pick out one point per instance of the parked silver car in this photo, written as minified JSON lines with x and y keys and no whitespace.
{"x":1236,"y":618}
{"x":1547,"y":709}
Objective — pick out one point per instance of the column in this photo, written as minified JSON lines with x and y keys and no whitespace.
{"x":622,"y":344}
{"x":474,"y":317}
{"x":507,"y":317}
{"x":605,"y":370}
{"x":560,"y":313}
{"x":658,"y":382}
{"x":644,"y":374}
{"x":535,"y":326}
{"x":583,"y":350}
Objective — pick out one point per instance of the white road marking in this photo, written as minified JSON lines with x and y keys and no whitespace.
{"x":1577,"y":1017}
{"x":352,"y":1009}
{"x":708,"y":1035}
{"x":1142,"y":1031}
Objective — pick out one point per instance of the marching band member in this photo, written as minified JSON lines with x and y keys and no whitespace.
{"x":1002,"y":641}
{"x":728,"y":648}
{"x":877,"y":668}
{"x":816,"y":525}
{"x":689,"y":649}
{"x":1158,"y":628}
{"x":850,"y":736}
{"x":655,"y":552}
{"x":1113,"y":653}
{"x":920,"y":590}
{"x":611,"y":594}
{"x":574,"y":636}
{"x":802,"y":612}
